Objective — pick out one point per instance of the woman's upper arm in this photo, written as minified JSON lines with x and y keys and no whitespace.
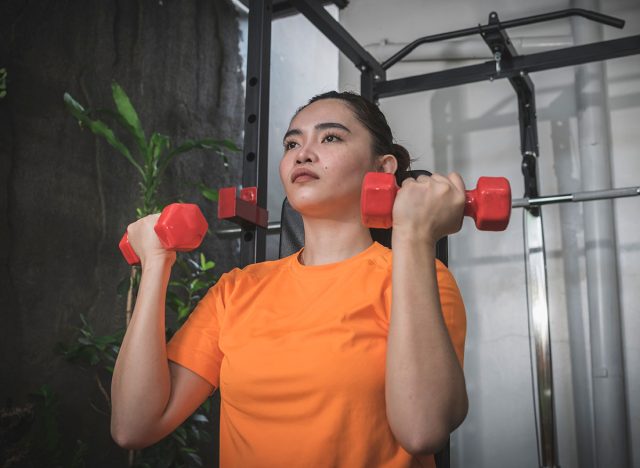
{"x":188,"y":392}
{"x":453,"y":310}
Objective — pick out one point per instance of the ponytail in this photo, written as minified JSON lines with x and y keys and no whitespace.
{"x":402,"y":156}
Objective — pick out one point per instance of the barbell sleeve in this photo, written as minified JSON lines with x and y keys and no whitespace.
{"x":576,"y":197}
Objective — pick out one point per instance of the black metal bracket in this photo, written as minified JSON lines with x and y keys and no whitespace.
{"x":503,"y":55}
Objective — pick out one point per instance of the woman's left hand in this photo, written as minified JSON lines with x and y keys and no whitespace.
{"x":429,"y":207}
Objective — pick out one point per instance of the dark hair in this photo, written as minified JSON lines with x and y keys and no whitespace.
{"x":374,"y":120}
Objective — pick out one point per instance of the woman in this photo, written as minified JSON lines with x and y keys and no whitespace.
{"x":340,"y":355}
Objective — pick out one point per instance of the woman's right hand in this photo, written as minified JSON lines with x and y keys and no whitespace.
{"x":429,"y":207}
{"x":145,"y":242}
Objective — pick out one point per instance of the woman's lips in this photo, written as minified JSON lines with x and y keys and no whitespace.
{"x":304,"y":178}
{"x":303,"y":175}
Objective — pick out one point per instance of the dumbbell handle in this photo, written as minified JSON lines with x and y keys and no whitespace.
{"x":180,"y":227}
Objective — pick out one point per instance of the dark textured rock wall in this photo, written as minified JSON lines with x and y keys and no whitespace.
{"x":66,"y":196}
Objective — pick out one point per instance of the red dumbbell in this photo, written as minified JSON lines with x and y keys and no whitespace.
{"x":489,"y":204}
{"x":180,"y":227}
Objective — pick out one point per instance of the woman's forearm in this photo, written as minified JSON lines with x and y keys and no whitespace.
{"x":141,"y":384}
{"x":425,"y":389}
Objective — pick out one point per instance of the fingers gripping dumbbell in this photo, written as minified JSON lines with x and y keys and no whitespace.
{"x":489,"y":204}
{"x":180,"y":227}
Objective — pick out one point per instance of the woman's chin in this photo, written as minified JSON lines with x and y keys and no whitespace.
{"x":307,"y":206}
{"x":328,"y":207}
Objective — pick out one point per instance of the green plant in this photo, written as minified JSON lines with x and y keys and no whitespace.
{"x":191,"y":278}
{"x":149,"y":157}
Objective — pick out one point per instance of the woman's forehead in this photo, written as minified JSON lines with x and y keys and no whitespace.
{"x":324,"y":110}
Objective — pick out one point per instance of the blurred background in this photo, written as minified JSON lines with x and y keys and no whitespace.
{"x":67,"y":196}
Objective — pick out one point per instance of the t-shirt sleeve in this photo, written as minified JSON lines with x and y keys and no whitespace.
{"x":453,"y":310}
{"x":195,"y":344}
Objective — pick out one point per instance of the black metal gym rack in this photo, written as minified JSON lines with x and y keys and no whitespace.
{"x":506,"y":64}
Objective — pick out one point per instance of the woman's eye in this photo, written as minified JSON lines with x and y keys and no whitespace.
{"x":289,"y":145}
{"x":332,"y":138}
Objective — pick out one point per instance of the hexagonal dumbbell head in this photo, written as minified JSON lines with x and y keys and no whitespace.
{"x":181,"y":227}
{"x":127,"y":251}
{"x":489,"y":204}
{"x":376,"y":200}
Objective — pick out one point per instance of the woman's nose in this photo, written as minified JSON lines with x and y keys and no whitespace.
{"x":305,"y":155}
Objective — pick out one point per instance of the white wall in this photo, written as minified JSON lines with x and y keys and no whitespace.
{"x":473,"y":130}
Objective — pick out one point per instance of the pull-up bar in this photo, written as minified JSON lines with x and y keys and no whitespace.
{"x":480,"y":29}
{"x":520,"y":65}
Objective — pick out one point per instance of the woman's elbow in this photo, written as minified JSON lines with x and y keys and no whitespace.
{"x":127,"y":438}
{"x":425,"y":443}
{"x":433,"y":437}
{"x":460,"y":411}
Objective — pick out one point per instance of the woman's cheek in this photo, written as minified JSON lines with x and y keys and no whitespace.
{"x":282,"y":168}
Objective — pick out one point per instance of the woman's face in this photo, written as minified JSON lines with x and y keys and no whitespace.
{"x":327,"y":152}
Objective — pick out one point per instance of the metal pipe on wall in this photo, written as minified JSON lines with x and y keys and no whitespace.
{"x":567,"y":171}
{"x":607,"y":362}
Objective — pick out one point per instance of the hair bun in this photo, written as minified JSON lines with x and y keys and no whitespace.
{"x":402,"y":155}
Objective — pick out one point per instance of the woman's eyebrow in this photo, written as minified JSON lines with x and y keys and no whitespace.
{"x":320,"y":126}
{"x":325,"y":125}
{"x":293,"y":131}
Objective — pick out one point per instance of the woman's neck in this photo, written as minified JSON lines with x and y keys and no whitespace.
{"x":331,"y":240}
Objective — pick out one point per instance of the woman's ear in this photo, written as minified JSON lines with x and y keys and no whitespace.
{"x":387,"y":163}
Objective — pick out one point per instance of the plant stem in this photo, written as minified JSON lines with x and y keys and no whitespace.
{"x":102,"y":389}
{"x":130,"y":293}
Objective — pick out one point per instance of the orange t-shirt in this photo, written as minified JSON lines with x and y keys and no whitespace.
{"x":298,"y":353}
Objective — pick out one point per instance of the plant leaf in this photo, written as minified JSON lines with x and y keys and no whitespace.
{"x":206,"y":405}
{"x":183,"y":312}
{"x":208,"y":193}
{"x":99,"y":128}
{"x":200,"y":418}
{"x":206,"y":143}
{"x":196,"y":458}
{"x":206,"y":264}
{"x":130,"y":116}
{"x":230,"y":145}
{"x":197,"y":285}
{"x":157,"y":146}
